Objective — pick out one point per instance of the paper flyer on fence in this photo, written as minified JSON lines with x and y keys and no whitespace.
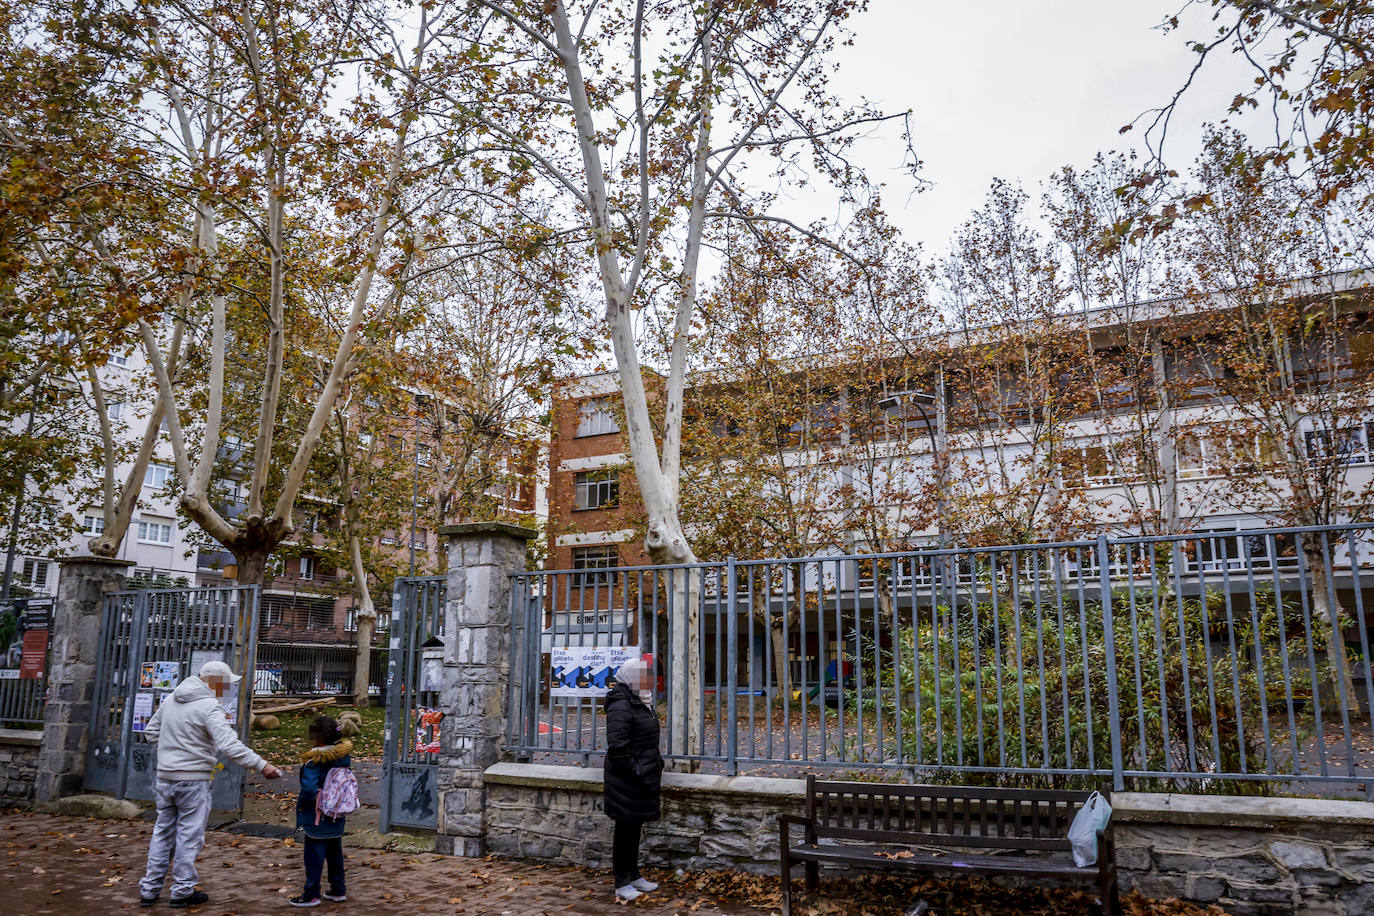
{"x":143,"y":709}
{"x":578,"y":671}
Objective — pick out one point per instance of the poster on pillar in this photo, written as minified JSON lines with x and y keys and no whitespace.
{"x":581,"y":671}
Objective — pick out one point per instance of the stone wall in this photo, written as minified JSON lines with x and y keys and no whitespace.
{"x":554,"y":813}
{"x":1253,"y":856}
{"x":18,"y":765}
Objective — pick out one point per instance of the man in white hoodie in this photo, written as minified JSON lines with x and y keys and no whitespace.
{"x":188,"y":728}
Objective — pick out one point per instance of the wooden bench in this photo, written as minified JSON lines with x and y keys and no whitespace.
{"x":1021,"y":832}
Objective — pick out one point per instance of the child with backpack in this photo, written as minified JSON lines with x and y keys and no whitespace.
{"x":329,"y":792}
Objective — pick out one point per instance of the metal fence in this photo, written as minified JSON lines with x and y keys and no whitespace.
{"x":413,"y":708}
{"x":1215,"y":661}
{"x":304,"y":669}
{"x":25,"y":656}
{"x":149,"y":641}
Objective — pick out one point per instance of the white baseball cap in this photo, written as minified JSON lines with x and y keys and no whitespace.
{"x":219,"y":670}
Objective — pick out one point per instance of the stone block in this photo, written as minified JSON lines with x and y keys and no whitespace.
{"x":1205,"y":889}
{"x":1294,"y":855}
{"x":1261,"y":893}
{"x":1158,"y":838}
{"x":1357,"y":862}
{"x":1133,"y":858}
{"x":1357,"y":900}
{"x":1221,"y":841}
{"x":1185,"y":864}
{"x":726,"y":843}
{"x":671,"y":844}
{"x":541,"y":848}
{"x":503,"y":844}
{"x":1243,"y":908}
{"x":1247,"y":868}
{"x":1313,"y":877}
{"x":1321,"y":906}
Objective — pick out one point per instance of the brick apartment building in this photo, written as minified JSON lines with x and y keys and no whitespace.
{"x":595,"y":517}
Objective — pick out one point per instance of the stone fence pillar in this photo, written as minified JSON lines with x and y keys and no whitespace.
{"x":476,"y":673}
{"x":82,"y":584}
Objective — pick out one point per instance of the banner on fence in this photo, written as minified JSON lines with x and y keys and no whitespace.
{"x":33,"y":654}
{"x":579,"y":671}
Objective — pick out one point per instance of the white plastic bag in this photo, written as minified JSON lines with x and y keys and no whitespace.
{"x":1092,"y":817}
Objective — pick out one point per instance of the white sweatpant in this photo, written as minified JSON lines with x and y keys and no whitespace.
{"x":183,"y":808}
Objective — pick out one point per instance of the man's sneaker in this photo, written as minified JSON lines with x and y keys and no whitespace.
{"x":340,"y":897}
{"x":147,"y":901}
{"x":303,"y":900}
{"x":627,"y":893}
{"x":644,"y":885}
{"x":195,"y":899}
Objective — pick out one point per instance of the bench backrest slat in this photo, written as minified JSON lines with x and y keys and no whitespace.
{"x":971,"y":841}
{"x":970,"y":816}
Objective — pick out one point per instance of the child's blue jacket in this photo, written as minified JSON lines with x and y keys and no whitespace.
{"x":315,"y":766}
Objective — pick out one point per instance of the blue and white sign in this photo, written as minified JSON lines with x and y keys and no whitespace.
{"x":586,"y":671}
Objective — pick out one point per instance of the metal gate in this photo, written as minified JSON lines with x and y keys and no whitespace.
{"x":149,"y":641}
{"x":413,"y":713}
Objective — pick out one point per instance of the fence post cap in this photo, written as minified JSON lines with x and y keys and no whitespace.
{"x":478,"y":528}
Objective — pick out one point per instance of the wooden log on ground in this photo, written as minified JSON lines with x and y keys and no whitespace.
{"x":294,"y":707}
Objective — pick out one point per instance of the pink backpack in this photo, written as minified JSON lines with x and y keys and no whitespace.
{"x":339,"y":794}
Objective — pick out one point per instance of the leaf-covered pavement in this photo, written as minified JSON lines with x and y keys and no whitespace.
{"x":63,"y":865}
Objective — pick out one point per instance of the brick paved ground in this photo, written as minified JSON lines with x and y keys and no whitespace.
{"x":76,"y":866}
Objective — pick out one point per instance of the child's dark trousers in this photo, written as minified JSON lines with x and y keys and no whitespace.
{"x":317,"y":854}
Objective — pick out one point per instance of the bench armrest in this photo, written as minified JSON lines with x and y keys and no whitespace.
{"x":785,"y":821}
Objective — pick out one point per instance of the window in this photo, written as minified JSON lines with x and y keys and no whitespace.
{"x":1102,"y":465}
{"x":94,"y":524}
{"x":422,"y":455}
{"x":599,"y":561}
{"x":596,"y":490}
{"x":119,"y":360}
{"x":114,"y":410}
{"x":1347,"y":446}
{"x":311,"y":522}
{"x":307,"y":567}
{"x":35,"y":574}
{"x":154,"y":530}
{"x":1211,"y":453}
{"x":388,"y":539}
{"x":594,"y":418}
{"x":420,"y":540}
{"x":157,"y":476}
{"x":351,"y":620}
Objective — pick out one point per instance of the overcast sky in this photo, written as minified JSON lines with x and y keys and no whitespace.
{"x":1018,"y":88}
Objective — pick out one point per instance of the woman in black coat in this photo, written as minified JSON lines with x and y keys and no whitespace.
{"x":633,"y":769}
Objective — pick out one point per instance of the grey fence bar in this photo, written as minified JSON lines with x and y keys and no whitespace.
{"x":1234,"y":660}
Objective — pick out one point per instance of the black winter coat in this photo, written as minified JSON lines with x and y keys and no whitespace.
{"x":633,"y":763}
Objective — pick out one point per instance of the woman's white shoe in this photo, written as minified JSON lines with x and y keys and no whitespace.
{"x":627,"y":892}
{"x":643,"y":885}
